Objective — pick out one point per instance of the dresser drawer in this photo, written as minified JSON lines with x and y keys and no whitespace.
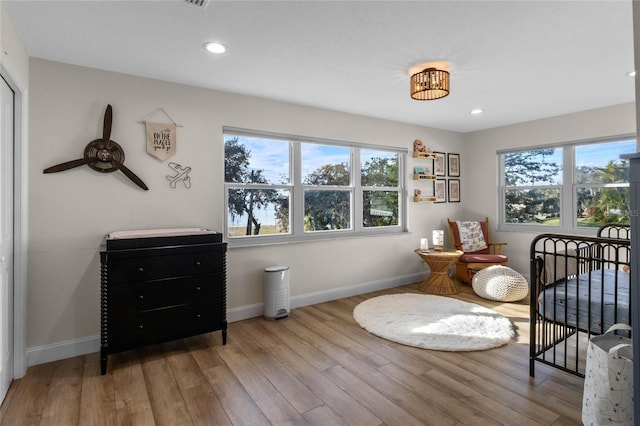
{"x":135,"y":297}
{"x":197,"y":262}
{"x":134,"y":269}
{"x":160,"y":325}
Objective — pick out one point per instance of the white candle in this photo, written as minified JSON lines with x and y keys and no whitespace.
{"x":424,"y":244}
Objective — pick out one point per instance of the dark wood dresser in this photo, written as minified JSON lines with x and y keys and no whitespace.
{"x":160,"y":286}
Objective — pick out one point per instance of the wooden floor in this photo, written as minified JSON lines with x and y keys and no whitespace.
{"x":315,"y":367}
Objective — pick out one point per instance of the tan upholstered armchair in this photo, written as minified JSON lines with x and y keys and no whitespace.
{"x":479,"y":251}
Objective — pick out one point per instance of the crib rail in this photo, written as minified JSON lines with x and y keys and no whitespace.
{"x":570,"y":274}
{"x":615,"y":231}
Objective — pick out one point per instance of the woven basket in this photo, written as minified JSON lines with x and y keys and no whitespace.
{"x":500,"y":283}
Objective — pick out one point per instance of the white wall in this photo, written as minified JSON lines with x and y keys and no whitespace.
{"x":70,"y":212}
{"x":13,"y":56}
{"x":480,"y":161}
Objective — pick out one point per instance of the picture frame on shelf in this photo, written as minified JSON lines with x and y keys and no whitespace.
{"x":439,"y":166}
{"x":454,"y":190}
{"x":453,"y":165}
{"x":440,"y":190}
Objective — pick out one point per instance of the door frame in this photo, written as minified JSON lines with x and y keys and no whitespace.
{"x":20,"y":221}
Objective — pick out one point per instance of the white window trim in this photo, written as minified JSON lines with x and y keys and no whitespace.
{"x":568,"y":189}
{"x":297,"y":233}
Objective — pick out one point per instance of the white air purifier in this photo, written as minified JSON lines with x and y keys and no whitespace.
{"x":276,"y":292}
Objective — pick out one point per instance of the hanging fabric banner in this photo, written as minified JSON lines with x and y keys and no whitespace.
{"x":161,"y":140}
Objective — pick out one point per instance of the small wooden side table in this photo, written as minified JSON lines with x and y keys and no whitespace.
{"x":438,"y":281}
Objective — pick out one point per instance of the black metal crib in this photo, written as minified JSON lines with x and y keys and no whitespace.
{"x":579,"y":288}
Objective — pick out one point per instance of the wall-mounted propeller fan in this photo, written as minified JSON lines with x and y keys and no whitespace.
{"x":102,"y":155}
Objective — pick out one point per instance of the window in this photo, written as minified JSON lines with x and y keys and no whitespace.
{"x":326,"y":179}
{"x":379,"y":177}
{"x":569,"y":187}
{"x":282,"y":188}
{"x":602,"y":183}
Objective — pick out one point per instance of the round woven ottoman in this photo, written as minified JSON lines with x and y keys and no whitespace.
{"x":500,"y":283}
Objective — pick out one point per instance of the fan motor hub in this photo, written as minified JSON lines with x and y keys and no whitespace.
{"x":99,"y":155}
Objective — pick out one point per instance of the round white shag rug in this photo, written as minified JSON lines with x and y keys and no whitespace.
{"x":433,"y":322}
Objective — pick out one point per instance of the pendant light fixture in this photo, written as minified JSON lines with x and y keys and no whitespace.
{"x":429,"y":84}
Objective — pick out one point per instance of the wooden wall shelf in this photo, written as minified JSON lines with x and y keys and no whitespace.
{"x":421,"y":176}
{"x":424,"y":155}
{"x":424,"y":198}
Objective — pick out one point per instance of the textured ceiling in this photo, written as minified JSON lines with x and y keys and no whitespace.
{"x":517,"y":60}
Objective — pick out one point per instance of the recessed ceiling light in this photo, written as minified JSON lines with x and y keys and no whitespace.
{"x":631,"y":74}
{"x":214,"y":47}
{"x":476,"y":111}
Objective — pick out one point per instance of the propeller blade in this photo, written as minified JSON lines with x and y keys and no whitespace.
{"x":106,"y":128}
{"x":128,"y":173}
{"x":65,"y":166}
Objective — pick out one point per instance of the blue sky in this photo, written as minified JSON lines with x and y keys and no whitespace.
{"x":598,"y":154}
{"x":267,"y":155}
{"x":593,"y":155}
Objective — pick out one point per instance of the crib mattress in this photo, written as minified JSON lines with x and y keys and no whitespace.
{"x":567,"y":301}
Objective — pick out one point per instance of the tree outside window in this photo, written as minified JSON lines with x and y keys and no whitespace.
{"x":602,"y":183}
{"x":256,"y":204}
{"x":261,"y":187}
{"x":534,"y":185}
{"x":379,"y":174}
{"x":532,"y":180}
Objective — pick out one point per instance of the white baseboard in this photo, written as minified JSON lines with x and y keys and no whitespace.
{"x":62,"y":350}
{"x":70,"y":348}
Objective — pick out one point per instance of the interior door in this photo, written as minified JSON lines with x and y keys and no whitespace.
{"x":6,"y":236}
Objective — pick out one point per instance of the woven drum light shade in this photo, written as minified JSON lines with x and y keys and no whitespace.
{"x":429,"y":84}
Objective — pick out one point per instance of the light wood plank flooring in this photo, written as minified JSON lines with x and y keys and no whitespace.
{"x":315,"y":367}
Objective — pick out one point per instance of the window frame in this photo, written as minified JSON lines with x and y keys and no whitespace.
{"x":568,"y":188}
{"x":296,"y":190}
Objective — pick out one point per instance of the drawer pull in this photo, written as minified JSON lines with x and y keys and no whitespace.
{"x":197,"y":263}
{"x":141,"y":296}
{"x":141,"y":326}
{"x":141,"y":269}
{"x":197,"y":315}
{"x":198,"y":288}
